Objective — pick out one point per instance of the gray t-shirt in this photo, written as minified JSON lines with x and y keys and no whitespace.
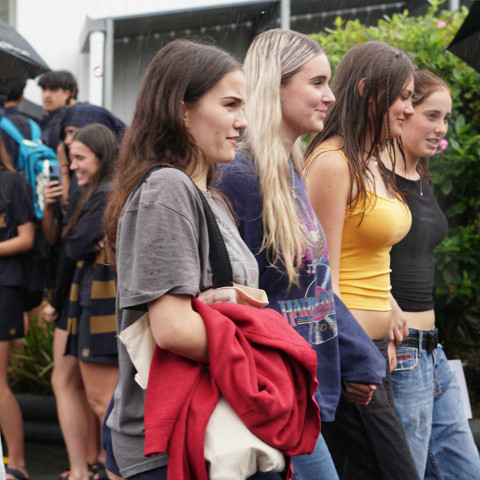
{"x":162,"y":247}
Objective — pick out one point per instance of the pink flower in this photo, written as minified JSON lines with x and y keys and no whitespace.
{"x":442,"y":145}
{"x":441,"y":24}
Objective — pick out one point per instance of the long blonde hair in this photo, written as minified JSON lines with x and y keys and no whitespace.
{"x":272,"y":59}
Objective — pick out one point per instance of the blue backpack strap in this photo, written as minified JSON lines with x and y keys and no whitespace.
{"x":8,"y":126}
{"x":35,"y":130}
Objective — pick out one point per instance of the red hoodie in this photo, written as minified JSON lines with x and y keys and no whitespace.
{"x":263,"y":368}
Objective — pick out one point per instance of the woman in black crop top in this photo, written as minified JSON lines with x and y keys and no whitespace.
{"x":427,"y":396}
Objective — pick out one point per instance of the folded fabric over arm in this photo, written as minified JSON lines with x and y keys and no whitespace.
{"x":258,"y":363}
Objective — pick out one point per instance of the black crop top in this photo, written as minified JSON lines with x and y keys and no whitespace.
{"x":411,"y":259}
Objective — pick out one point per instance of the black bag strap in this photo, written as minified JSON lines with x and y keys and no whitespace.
{"x":218,"y":255}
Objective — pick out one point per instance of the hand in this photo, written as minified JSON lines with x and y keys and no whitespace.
{"x":360,"y":393}
{"x":99,"y":246}
{"x":49,"y":313}
{"x":392,"y":355}
{"x":399,"y":326}
{"x":52,"y":192}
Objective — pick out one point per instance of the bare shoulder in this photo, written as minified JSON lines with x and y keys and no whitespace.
{"x":327,"y":157}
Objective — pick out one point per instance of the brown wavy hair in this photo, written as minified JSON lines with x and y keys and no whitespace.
{"x":182,"y":71}
{"x":356,"y":117}
{"x":426,"y":83}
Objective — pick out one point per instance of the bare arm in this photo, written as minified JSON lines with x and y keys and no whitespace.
{"x":177,"y":328}
{"x":21,"y":243}
{"x":328,"y":184}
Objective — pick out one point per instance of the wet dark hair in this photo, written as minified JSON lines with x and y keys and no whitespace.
{"x":356,"y":116}
{"x":103,"y":143}
{"x":59,"y":79}
{"x":12,"y":89}
{"x":181,"y":72}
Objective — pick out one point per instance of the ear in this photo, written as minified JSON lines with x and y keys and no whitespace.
{"x":361,"y":86}
{"x":185,"y":113}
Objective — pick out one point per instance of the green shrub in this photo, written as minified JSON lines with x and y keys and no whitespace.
{"x":455,"y":172}
{"x":31,"y":359}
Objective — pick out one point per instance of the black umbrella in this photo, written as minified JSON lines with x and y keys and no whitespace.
{"x":466,"y":43}
{"x":17,"y":58}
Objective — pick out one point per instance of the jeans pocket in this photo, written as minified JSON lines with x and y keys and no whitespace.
{"x":407,"y":359}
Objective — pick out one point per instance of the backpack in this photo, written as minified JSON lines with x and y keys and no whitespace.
{"x":33,"y":261}
{"x":34,"y":158}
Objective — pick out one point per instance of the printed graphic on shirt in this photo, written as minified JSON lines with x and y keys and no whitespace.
{"x":314,"y":313}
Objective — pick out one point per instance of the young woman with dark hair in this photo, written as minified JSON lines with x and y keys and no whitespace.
{"x":90,"y":372}
{"x":427,"y":396}
{"x":357,"y":204}
{"x":17,"y":233}
{"x":189,"y":116}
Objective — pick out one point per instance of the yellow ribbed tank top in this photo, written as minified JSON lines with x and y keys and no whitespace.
{"x":364,"y":275}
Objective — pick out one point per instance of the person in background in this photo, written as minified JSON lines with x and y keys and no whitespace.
{"x":59,"y":91}
{"x":72,"y":375}
{"x":288,"y":95}
{"x":363,"y":216}
{"x":17,"y":232}
{"x":12,"y":91}
{"x":427,"y":396}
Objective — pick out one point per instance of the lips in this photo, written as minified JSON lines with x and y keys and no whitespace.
{"x":433,"y":142}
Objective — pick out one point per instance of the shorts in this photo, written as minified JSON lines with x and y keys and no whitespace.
{"x":12,"y":307}
{"x":86,"y":343}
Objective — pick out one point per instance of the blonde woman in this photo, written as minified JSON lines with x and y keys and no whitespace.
{"x":287,"y":75}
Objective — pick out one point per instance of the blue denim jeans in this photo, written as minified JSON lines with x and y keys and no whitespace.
{"x":317,"y":466}
{"x":429,"y":405}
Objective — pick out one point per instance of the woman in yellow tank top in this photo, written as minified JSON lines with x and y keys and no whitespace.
{"x":362,"y":215}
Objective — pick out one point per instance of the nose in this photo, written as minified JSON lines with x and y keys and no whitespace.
{"x":329,"y":97}
{"x":73,"y":164}
{"x":408,"y":110}
{"x":441,"y":127}
{"x":241,"y":121}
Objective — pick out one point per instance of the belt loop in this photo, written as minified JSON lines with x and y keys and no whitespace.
{"x":420,"y":342}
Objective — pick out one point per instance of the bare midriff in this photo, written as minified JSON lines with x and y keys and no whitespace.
{"x":376,"y":324}
{"x":420,"y":320}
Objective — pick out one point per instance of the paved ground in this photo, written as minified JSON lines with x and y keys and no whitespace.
{"x":46,"y":460}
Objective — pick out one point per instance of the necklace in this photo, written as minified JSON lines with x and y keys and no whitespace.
{"x":420,"y":186}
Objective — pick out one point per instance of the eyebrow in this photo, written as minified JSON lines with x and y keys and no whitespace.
{"x":233,"y":97}
{"x":432,"y":110}
{"x":319,"y":77}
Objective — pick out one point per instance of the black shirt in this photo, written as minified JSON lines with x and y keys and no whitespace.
{"x":52,"y":126}
{"x":411,"y":259}
{"x":18,"y":212}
